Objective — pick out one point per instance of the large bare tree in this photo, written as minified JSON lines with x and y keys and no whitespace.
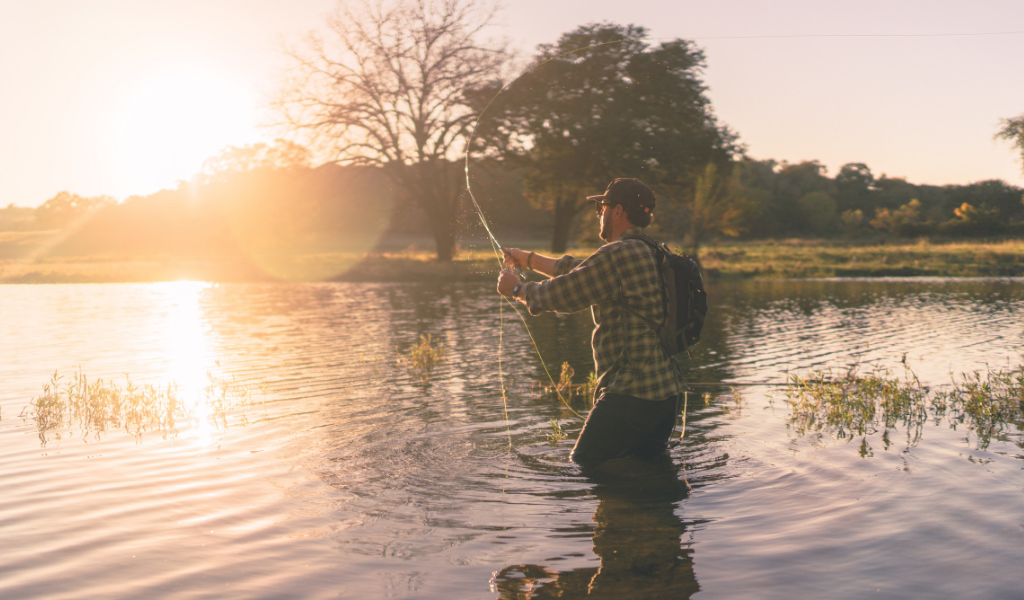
{"x":385,"y":87}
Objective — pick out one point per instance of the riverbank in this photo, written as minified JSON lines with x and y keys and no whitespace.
{"x":739,"y":260}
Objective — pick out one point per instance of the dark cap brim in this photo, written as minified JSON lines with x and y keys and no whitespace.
{"x":596,"y":198}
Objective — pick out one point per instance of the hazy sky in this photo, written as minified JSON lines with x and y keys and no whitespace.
{"x":122,"y":97}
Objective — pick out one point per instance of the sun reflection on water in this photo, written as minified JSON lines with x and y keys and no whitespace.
{"x":189,"y":355}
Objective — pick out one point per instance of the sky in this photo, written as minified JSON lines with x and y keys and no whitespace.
{"x":122,"y":98}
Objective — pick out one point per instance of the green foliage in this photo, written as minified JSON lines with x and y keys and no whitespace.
{"x":852,"y":220}
{"x":854,"y":187}
{"x":717,"y":206}
{"x":426,"y":354}
{"x":774,"y":192}
{"x":900,"y":222}
{"x":988,"y":406}
{"x":602,"y":104}
{"x":818,"y":210}
{"x":557,"y":433}
{"x":851,"y":405}
{"x":971,"y":221}
{"x":779,"y":195}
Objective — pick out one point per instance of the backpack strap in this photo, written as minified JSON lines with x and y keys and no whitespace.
{"x":668,"y":326}
{"x":665,"y":273}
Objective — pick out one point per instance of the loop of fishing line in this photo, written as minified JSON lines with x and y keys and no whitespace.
{"x":496,"y":246}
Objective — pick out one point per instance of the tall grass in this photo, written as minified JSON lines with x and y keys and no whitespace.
{"x":98,"y":406}
{"x":987,"y":405}
{"x":567,"y":390}
{"x":425,"y":355}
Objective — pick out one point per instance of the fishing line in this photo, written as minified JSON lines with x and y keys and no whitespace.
{"x":496,"y":246}
{"x":501,"y":378}
{"x":850,"y":35}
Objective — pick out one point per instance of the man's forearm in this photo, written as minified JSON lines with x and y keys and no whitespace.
{"x":542,"y":264}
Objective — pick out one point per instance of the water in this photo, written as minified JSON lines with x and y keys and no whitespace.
{"x":361,"y":478}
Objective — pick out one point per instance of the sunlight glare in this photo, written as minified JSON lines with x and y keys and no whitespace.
{"x":173,"y":119}
{"x":188,"y":351}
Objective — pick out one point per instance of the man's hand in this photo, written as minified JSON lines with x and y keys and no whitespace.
{"x":514,"y":257}
{"x":507,"y":281}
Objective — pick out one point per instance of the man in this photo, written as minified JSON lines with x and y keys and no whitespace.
{"x":638,"y":386}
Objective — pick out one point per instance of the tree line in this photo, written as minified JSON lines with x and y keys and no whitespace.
{"x":802,"y":200}
{"x":269,"y":198}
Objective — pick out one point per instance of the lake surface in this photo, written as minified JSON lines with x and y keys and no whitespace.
{"x":359,"y":476}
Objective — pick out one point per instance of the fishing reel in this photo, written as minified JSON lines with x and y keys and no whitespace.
{"x":514,"y":271}
{"x":512,"y":268}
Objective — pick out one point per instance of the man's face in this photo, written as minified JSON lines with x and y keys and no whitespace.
{"x":605,"y":219}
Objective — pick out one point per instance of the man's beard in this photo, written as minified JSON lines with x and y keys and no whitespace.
{"x":606,"y":230}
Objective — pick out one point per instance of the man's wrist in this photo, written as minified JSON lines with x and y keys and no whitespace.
{"x":529,"y":260}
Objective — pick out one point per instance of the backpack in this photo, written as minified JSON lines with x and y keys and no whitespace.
{"x":686,"y":300}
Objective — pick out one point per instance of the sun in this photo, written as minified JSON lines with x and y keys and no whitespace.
{"x":173,"y":117}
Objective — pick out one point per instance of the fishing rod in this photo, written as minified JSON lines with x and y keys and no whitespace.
{"x":469,"y":145}
{"x":496,"y":246}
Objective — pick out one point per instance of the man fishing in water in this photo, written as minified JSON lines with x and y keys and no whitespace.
{"x":637,"y":395}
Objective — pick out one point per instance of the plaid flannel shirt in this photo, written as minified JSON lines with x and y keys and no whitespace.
{"x":628,"y":356}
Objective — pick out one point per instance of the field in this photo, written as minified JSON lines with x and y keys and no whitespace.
{"x":816,"y":258}
{"x":413,"y":262}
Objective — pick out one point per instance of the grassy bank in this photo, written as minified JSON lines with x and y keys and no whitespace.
{"x":816,"y":258}
{"x":794,"y":258}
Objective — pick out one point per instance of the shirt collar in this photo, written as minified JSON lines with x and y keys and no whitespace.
{"x":632,"y":232}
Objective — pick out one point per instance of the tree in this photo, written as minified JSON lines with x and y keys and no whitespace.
{"x":1012,"y":130}
{"x":66,"y":209}
{"x":756,"y":182}
{"x":716,"y":207}
{"x":283,"y":154}
{"x":599,"y":104}
{"x":818,"y":212}
{"x":855,"y":187}
{"x":387,"y":90}
{"x":973,"y":221}
{"x":901,"y":222}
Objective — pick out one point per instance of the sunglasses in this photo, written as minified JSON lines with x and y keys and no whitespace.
{"x":599,"y":206}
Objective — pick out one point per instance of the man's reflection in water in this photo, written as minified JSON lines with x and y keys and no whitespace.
{"x":637,"y":537}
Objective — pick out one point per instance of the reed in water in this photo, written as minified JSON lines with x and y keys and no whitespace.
{"x":988,"y":405}
{"x":97,"y":406}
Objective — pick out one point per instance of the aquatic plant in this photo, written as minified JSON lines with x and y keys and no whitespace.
{"x":556,"y":434}
{"x":98,"y":406}
{"x":990,"y":406}
{"x":567,"y":390}
{"x":425,"y":355}
{"x":849,"y":404}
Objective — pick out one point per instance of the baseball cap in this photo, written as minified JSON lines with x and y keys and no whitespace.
{"x":627,"y":192}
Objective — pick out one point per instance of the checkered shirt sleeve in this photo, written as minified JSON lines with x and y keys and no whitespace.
{"x":628,"y":357}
